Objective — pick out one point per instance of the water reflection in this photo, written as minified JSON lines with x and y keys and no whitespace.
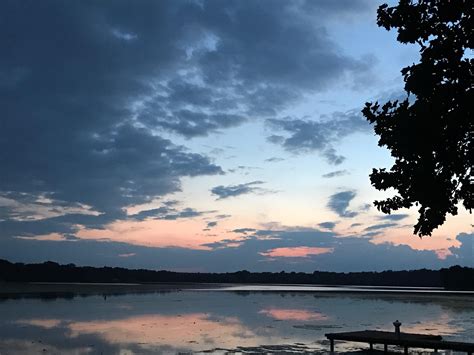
{"x":292,"y":314}
{"x":443,"y":325}
{"x":190,"y":331}
{"x":219,"y":321}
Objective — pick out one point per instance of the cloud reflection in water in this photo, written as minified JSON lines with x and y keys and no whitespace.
{"x":198,"y":321}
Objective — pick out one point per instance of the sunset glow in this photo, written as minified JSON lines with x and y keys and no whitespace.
{"x":180,"y":135}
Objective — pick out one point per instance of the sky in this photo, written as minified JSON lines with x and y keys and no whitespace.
{"x":195,"y":135}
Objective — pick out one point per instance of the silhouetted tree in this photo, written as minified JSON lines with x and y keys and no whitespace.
{"x":456,"y":277}
{"x":430,"y":132}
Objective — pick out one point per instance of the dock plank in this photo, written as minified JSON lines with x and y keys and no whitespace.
{"x":405,"y":340}
{"x":366,"y":335}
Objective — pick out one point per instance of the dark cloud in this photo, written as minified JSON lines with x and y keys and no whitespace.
{"x":347,"y":253}
{"x":211,"y":224}
{"x":87,"y":88}
{"x":377,"y":227}
{"x":244,"y":170}
{"x":327,"y":225}
{"x":304,"y":135}
{"x":336,"y":173}
{"x":223,"y":192}
{"x":168,"y":213}
{"x":122,"y":167}
{"x":224,"y":243}
{"x":464,"y":253}
{"x":154,"y":213}
{"x":216,"y":89}
{"x":170,"y":203}
{"x":274,"y":160}
{"x":186,"y":213}
{"x":70,"y":237}
{"x":68,"y":131}
{"x":244,"y":230}
{"x":222,"y":216}
{"x":339,"y":202}
{"x":193,"y":124}
{"x":394,"y":217}
{"x":276,"y":139}
{"x":341,"y":7}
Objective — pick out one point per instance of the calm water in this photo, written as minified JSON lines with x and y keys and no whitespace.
{"x":241,"y":320}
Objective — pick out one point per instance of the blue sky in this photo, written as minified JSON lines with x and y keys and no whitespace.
{"x":203,"y":135}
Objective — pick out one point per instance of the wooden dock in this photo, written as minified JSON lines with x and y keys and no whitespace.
{"x":404,"y":340}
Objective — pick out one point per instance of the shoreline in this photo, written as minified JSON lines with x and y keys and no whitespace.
{"x":68,"y":289}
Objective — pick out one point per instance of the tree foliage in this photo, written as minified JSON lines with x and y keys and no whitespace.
{"x":456,"y":277}
{"x":430,"y":132}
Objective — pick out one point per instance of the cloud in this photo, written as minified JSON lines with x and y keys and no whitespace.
{"x":336,"y":173}
{"x":194,"y":124}
{"x":168,"y":213}
{"x":244,"y":170}
{"x":464,"y":253}
{"x":296,"y":252}
{"x":126,"y":255}
{"x":28,"y":207}
{"x":211,"y":89}
{"x":70,"y":237}
{"x":211,"y":224}
{"x":378,"y":227}
{"x":153,"y":213}
{"x":348,"y":253}
{"x":341,"y":7}
{"x":223,"y":192}
{"x":186,"y":213}
{"x":244,"y":230}
{"x":339,"y":202}
{"x":274,"y":160}
{"x":86,"y":98}
{"x":122,"y":167}
{"x":304,"y":135}
{"x":222,"y":216}
{"x":327,"y":225}
{"x":394,"y":217}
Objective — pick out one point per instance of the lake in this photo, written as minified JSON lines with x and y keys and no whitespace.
{"x":135,"y":319}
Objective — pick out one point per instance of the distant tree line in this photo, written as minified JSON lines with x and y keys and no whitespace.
{"x":454,"y":278}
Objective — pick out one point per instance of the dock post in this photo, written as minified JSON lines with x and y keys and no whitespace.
{"x":332,"y":345}
{"x":385,"y":348}
{"x":406,"y":350}
{"x":371,"y":346}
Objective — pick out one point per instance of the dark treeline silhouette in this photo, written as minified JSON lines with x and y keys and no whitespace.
{"x":454,"y":278}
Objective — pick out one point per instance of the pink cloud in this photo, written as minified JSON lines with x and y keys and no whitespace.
{"x":154,"y":233}
{"x":292,"y":314}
